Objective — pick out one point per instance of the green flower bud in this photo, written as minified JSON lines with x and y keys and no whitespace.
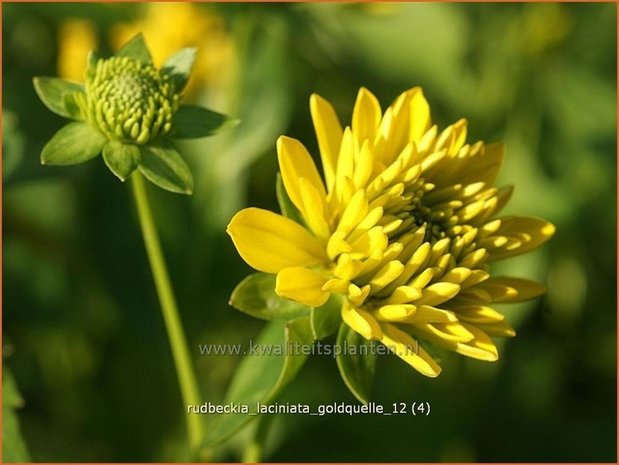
{"x":127,"y":110}
{"x":128,"y":100}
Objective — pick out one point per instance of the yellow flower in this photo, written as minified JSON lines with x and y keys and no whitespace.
{"x":403,"y":227}
{"x":168,"y":27}
{"x":76,"y":37}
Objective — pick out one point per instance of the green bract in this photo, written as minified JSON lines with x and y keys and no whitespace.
{"x":128,"y":110}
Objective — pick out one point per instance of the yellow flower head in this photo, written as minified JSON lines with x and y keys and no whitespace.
{"x":403,"y":227}
{"x":76,"y":37}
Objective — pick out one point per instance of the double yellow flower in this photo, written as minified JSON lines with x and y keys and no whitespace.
{"x":403,"y":227}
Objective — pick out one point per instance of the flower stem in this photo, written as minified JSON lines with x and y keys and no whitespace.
{"x":254,"y":451}
{"x":176,"y":335}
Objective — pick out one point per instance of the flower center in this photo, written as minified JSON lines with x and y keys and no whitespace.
{"x":129,"y":100}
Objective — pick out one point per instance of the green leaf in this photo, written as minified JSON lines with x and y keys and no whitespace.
{"x":136,"y":48}
{"x":121,"y":159}
{"x":13,"y":446}
{"x":75,"y":143}
{"x":325,"y":320}
{"x":356,"y":362}
{"x":191,"y":121}
{"x":179,"y":65}
{"x":52,"y":93}
{"x":260,"y":377}
{"x":285,"y":204}
{"x":256,"y":296}
{"x":164,"y":166}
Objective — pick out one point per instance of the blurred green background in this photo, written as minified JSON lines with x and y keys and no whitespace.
{"x":82,"y":333}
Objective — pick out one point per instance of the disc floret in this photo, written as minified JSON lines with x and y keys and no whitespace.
{"x":128,"y":100}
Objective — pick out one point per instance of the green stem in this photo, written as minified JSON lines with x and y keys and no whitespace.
{"x":254,"y":451}
{"x":176,"y":335}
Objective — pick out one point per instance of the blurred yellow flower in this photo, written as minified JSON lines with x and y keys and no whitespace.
{"x":544,"y":26}
{"x":168,"y":27}
{"x":76,"y":37}
{"x":402,"y":227}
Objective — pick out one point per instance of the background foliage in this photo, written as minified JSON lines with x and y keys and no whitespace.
{"x":82,"y":333}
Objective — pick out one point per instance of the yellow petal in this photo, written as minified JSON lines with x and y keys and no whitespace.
{"x":336,"y":286}
{"x":422,"y":279}
{"x":478,"y":314}
{"x":438,"y":293}
{"x":526,"y":233}
{"x":354,"y":213}
{"x":446,"y":333}
{"x":428,"y":139}
{"x":408,"y":349}
{"x":357,"y":295}
{"x":459,"y":136}
{"x":361,"y":322}
{"x":295,"y":163}
{"x":444,"y":138}
{"x":301,"y":285}
{"x":417,"y":260}
{"x":366,"y":116}
{"x":347,"y":268}
{"x":504,"y":289}
{"x":337,"y":245}
{"x":345,"y":165}
{"x":269,"y":242}
{"x":383,"y":143}
{"x":474,"y":259}
{"x":403,"y":294}
{"x":386,"y":275}
{"x":476,"y":277}
{"x":364,"y":165}
{"x":503,"y":196}
{"x":367,"y":223}
{"x":456,"y":275}
{"x":399,"y":312}
{"x":481,"y":348}
{"x":483,"y":165}
{"x":498,"y":329}
{"x":419,"y":114}
{"x":369,"y":242}
{"x":329,"y":135}
{"x":413,"y":242}
{"x":473,"y":295}
{"x":313,"y":210}
{"x":427,"y":314}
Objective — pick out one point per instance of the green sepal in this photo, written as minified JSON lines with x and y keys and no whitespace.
{"x":256,"y":296}
{"x":356,"y":362}
{"x":74,"y":143}
{"x":121,"y":159}
{"x":326,"y":319}
{"x":179,"y":65}
{"x":91,"y":60}
{"x":285,"y":204}
{"x":260,"y":377}
{"x":52,"y":92}
{"x":190,"y":122}
{"x":72,"y":107}
{"x":163,"y":166}
{"x":136,"y":48}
